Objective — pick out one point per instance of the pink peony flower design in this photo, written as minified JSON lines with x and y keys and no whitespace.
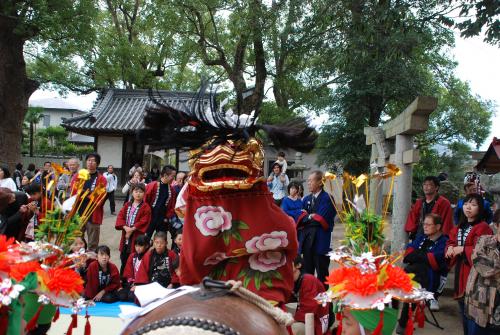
{"x":211,"y":220}
{"x":216,"y":258}
{"x":267,"y":241}
{"x":267,"y":261}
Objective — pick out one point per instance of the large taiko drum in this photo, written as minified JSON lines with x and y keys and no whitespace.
{"x":208,"y":311}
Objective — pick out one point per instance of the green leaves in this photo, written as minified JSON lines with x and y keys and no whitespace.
{"x":259,"y":278}
{"x":234,"y":232}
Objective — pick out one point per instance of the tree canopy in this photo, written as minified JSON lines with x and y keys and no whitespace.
{"x":359,"y":61}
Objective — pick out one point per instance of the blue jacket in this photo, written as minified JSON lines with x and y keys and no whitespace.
{"x":292,"y":207}
{"x":423,"y":252}
{"x":487,"y":211}
{"x":321,"y":216}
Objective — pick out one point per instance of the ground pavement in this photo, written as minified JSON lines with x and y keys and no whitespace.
{"x":448,"y":316}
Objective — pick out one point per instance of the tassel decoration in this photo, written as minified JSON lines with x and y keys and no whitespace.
{"x":339,"y":327}
{"x":380,"y":325}
{"x":409,"y":324}
{"x":70,"y":328}
{"x":74,"y":320}
{"x":34,"y":320}
{"x":87,"y":324}
{"x":56,"y":315}
{"x":420,"y":315}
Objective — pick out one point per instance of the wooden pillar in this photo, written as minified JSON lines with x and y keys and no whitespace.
{"x":402,"y":188}
{"x":401,"y":130}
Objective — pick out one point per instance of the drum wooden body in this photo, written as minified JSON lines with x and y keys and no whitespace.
{"x":206,"y":312}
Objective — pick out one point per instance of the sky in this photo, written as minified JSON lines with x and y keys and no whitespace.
{"x":478,"y":63}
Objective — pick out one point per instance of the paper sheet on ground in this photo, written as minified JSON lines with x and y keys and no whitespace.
{"x":151,"y":296}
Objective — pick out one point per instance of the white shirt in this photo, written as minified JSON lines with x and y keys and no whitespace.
{"x":111,"y":181}
{"x":8,"y":183}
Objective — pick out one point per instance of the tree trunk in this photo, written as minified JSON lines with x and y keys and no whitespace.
{"x":32,"y":134}
{"x":15,"y":90}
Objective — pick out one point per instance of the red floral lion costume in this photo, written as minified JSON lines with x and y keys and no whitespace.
{"x":232,"y":228}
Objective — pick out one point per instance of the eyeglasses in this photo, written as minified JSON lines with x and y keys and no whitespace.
{"x":429,"y":224}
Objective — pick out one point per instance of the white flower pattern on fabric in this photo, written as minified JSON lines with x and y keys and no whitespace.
{"x":211,"y":220}
{"x":267,"y":261}
{"x":267,"y":241}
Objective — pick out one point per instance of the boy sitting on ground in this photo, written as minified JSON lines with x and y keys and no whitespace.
{"x":306,"y":288}
{"x":156,"y":265}
{"x":103,"y":279}
{"x":130,"y":272}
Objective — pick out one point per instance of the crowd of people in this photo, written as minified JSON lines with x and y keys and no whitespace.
{"x":460,"y":240}
{"x":441,"y":239}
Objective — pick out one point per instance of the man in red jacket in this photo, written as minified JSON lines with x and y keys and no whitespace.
{"x":93,"y":226}
{"x":161,"y":196}
{"x":306,"y":288}
{"x":103,"y":279}
{"x":431,"y":203}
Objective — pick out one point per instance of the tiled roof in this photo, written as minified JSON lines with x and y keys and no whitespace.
{"x":54,"y":103}
{"x":121,"y":111}
{"x":490,"y":163}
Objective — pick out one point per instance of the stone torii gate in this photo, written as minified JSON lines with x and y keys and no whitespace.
{"x":393,"y":143}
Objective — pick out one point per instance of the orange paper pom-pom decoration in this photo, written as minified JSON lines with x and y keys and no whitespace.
{"x":20,"y":270}
{"x":59,"y":280}
{"x":362,"y":284}
{"x":397,"y":278}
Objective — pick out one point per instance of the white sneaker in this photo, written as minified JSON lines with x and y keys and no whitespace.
{"x":434,"y":305}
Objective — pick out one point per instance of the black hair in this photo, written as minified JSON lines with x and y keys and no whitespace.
{"x":141,"y":186}
{"x":298,"y":260}
{"x":104,"y":249}
{"x":480,"y":203}
{"x":94,"y":155}
{"x":31,"y":167}
{"x":434,"y":179}
{"x":142,"y":240}
{"x":203,"y":123}
{"x":6,"y":171}
{"x":33,"y":188}
{"x":293,"y":184}
{"x":111,"y":166}
{"x":19,"y":166}
{"x":167,"y":169}
{"x":281,"y":154}
{"x":160,"y":234}
{"x":47,"y":162}
{"x":278,"y":165}
{"x":177,"y":232}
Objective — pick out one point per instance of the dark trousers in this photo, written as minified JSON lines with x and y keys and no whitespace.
{"x":465,"y":322}
{"x":111,"y":198}
{"x":317,"y":263}
{"x":164,"y":225}
{"x":108,"y":297}
{"x":313,"y":262}
{"x":125,"y":294}
{"x":403,"y":319}
{"x":123,"y":258}
{"x":474,"y":329}
{"x":156,"y":224}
